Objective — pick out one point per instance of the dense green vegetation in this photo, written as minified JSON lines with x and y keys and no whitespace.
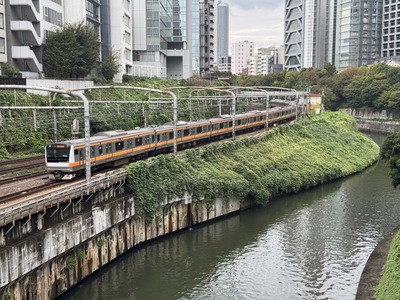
{"x":390,"y":152}
{"x":389,"y":285}
{"x":71,"y":51}
{"x":284,"y":160}
{"x":374,"y":87}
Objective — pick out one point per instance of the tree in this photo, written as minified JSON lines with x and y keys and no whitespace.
{"x":390,"y":153}
{"x":110,"y":65}
{"x":9,"y":70}
{"x":71,"y":52}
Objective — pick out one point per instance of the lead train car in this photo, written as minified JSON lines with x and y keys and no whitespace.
{"x":65,"y":160}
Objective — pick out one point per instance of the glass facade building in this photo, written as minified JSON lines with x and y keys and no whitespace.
{"x":391,"y":29}
{"x":343,"y":32}
{"x":358,"y":32}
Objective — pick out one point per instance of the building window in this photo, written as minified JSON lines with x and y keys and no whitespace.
{"x":52,"y":16}
{"x":1,"y":21}
{"x":59,"y":2}
{"x":1,"y":2}
{"x":2,"y":45}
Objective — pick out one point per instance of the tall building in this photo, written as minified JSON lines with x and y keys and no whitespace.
{"x":266,"y":60}
{"x":28,"y":23}
{"x":309,"y":32}
{"x":391,"y":29}
{"x":241,"y":53}
{"x":206,"y":36}
{"x":343,"y":32}
{"x":358,"y":32}
{"x":3,"y":40}
{"x":223,"y":36}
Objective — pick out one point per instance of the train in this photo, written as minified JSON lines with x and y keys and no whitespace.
{"x":65,"y":160}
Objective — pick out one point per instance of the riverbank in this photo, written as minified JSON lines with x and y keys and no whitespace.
{"x":282,"y":161}
{"x":380,"y":126}
{"x":372,"y":273}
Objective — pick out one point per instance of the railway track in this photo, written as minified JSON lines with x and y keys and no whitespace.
{"x":29,"y":191}
{"x":22,"y":177}
{"x":14,"y":165}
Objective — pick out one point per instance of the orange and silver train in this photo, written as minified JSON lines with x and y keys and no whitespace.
{"x":66,"y":160}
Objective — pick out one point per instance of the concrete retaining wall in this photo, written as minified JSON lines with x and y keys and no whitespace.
{"x":378,"y":126}
{"x":46,"y":254}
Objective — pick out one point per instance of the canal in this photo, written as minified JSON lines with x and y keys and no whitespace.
{"x":312,"y":245}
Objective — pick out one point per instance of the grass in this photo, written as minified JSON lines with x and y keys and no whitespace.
{"x":389,"y":284}
{"x":281,"y":161}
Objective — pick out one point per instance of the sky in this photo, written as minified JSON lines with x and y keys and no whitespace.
{"x":258,"y":21}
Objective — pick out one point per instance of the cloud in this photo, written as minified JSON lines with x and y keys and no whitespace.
{"x":256,"y":4}
{"x":264,"y":27}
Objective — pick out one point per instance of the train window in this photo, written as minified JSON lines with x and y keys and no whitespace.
{"x":198,"y":129}
{"x":146,"y":140}
{"x":186,"y":132}
{"x":92,"y":152}
{"x":75,"y":152}
{"x":130,"y":144}
{"x":230,"y":124}
{"x":100,"y":150}
{"x":159,"y":138}
{"x":239,"y":122}
{"x":108,"y":148}
{"x":138,"y":141}
{"x":221,"y":125}
{"x":119,"y":146}
{"x":171,"y":135}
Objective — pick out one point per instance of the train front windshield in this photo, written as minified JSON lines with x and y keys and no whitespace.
{"x":57,"y":153}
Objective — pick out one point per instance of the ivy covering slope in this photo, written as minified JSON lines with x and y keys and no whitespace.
{"x":389,"y":284}
{"x":284,"y":160}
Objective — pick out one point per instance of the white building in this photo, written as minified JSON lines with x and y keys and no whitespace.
{"x":3,"y":40}
{"x":390,"y":30}
{"x":29,"y":23}
{"x":267,"y":60}
{"x":241,"y":53}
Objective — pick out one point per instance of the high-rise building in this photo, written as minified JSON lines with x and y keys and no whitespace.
{"x":241,"y":53}
{"x":343,"y":32}
{"x":358,"y":32}
{"x":28,"y":23}
{"x":391,"y":29}
{"x":206,"y":36}
{"x":309,"y":32}
{"x":222,"y":36}
{"x":3,"y":40}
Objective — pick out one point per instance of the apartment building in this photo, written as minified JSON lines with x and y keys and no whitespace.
{"x":241,"y":53}
{"x":207,"y":47}
{"x":162,"y":38}
{"x":391,"y":30}
{"x":3,"y":40}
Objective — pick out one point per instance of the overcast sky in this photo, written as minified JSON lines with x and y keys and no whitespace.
{"x":258,"y":21}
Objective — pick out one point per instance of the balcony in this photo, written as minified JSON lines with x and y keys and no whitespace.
{"x":30,"y":12}
{"x":31,"y":36}
{"x":25,"y":53}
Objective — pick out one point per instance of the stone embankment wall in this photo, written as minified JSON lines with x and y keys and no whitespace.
{"x":46,"y":254}
{"x":378,"y":126}
{"x":375,"y":121}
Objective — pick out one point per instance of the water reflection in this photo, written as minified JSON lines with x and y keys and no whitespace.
{"x":312,"y":245}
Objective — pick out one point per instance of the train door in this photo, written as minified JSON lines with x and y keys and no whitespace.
{"x":78,"y":153}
